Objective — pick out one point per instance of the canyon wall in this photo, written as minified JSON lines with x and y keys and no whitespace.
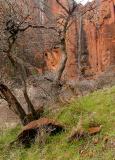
{"x":97,"y":38}
{"x":71,"y":69}
{"x":90,"y":38}
{"x":99,"y":27}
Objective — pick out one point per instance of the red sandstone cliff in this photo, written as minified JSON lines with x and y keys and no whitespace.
{"x":97,"y":50}
{"x":97,"y":41}
{"x":100,"y":33}
{"x":71,"y":71}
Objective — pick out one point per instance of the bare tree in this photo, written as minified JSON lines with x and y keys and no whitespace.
{"x":15,"y":24}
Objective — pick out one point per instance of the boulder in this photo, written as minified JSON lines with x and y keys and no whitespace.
{"x":34,"y":128}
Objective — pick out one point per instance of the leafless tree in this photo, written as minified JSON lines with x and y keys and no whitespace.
{"x":14,"y":24}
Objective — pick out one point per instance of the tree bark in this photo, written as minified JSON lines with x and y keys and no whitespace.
{"x":62,"y":62}
{"x":13,"y":103}
{"x":30,"y":105}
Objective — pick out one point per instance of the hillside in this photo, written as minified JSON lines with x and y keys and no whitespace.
{"x":97,"y":108}
{"x":57,"y":80}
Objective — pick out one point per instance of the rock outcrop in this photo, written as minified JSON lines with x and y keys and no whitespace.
{"x":97,"y":27}
{"x":100,"y":32}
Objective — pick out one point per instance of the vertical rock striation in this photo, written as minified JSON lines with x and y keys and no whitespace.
{"x":100,"y":33}
{"x":90,"y":47}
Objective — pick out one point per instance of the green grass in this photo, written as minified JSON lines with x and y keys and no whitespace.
{"x":100,"y":104}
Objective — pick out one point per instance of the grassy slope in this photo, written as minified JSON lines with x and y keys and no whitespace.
{"x":101,"y":104}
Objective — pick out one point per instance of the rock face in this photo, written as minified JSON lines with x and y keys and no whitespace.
{"x":100,"y":33}
{"x":71,"y":66}
{"x":90,"y":38}
{"x":97,"y":39}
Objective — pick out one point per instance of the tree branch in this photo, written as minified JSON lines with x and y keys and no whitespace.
{"x":65,"y":9}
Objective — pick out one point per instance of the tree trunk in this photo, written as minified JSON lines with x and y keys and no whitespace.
{"x":62,"y":61}
{"x":30,"y":105}
{"x":63,"y":50}
{"x":13,"y":103}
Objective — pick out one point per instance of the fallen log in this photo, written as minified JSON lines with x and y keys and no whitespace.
{"x":33,"y":129}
